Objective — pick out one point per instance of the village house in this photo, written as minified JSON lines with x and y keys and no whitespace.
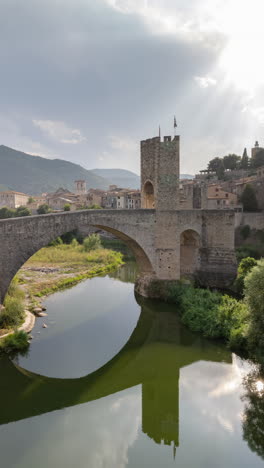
{"x":60,"y":198}
{"x":12,"y":199}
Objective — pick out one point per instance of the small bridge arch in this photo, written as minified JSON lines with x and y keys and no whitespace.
{"x":190,"y":259}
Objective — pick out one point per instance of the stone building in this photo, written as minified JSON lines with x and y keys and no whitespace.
{"x":80,"y":187}
{"x":60,"y":198}
{"x":11,"y":199}
{"x":217,"y":198}
{"x":133,"y":200}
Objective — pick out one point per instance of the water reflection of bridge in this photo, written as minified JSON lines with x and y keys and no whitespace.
{"x":153,"y":356}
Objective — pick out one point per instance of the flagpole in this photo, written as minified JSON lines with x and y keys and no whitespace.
{"x":175,"y":126}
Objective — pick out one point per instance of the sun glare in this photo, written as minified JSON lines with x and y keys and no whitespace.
{"x":242,"y":23}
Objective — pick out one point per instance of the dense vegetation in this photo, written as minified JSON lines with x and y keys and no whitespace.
{"x":234,"y":162}
{"x":13,"y":314}
{"x":17,"y":342}
{"x":14,"y":213}
{"x":240,"y":323}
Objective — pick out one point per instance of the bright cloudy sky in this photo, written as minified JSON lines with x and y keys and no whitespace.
{"x":86,"y":80}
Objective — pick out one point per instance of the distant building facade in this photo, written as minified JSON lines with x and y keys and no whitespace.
{"x":12,"y":199}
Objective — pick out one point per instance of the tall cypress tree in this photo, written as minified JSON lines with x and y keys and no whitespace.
{"x":245,"y":160}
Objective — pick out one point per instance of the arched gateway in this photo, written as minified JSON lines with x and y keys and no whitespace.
{"x":167,"y":241}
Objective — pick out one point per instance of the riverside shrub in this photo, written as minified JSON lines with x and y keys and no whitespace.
{"x":212,"y":314}
{"x":254,"y":295}
{"x":13,"y":313}
{"x":92,"y":242}
{"x":18,"y":341}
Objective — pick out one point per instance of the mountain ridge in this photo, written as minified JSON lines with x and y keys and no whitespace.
{"x":33,"y":175}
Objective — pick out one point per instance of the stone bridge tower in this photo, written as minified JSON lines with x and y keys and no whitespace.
{"x":160,"y":172}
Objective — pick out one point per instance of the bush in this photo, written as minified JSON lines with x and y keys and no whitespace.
{"x":211,"y":314}
{"x":22,"y":211}
{"x":13,"y":314}
{"x":74,"y":243}
{"x":6,"y":213}
{"x":67,"y":207}
{"x":254,"y":295}
{"x":43,"y":209}
{"x":57,"y":241}
{"x":18,"y":341}
{"x":92,"y":242}
{"x":244,"y":268}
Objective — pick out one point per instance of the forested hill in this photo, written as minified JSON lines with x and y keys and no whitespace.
{"x":34,"y":174}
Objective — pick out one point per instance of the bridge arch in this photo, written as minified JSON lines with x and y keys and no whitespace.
{"x":142,"y":259}
{"x":190,"y":244}
{"x":31,"y":234}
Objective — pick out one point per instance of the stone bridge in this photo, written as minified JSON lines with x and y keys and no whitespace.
{"x":167,"y":245}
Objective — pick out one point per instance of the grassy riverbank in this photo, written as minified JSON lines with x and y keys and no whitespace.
{"x":58,"y":267}
{"x":51,"y":269}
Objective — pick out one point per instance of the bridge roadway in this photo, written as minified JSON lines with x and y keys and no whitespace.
{"x":153,"y":356}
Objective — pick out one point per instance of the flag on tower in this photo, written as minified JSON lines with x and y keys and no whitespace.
{"x":175,"y":123}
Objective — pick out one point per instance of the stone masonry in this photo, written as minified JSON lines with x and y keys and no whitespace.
{"x":169,"y":243}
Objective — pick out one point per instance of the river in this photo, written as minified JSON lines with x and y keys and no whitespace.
{"x":115,"y":382}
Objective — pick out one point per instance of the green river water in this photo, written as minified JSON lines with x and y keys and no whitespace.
{"x":116,"y":382}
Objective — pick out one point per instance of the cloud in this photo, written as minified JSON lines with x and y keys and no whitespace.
{"x":58,"y":130}
{"x":205,"y":81}
{"x":123,"y":144}
{"x":257,"y":113}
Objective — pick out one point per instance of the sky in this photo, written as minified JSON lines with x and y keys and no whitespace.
{"x":86,"y":80}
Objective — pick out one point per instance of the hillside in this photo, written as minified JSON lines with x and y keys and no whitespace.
{"x":119,"y":177}
{"x":34,"y":174}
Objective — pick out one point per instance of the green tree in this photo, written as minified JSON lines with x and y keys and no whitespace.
{"x":6,"y":213}
{"x":249,"y":199}
{"x":30,"y":200}
{"x":254,"y":295}
{"x":22,"y":211}
{"x":215,"y":164}
{"x":232,"y":162}
{"x":67,"y":207}
{"x":43,"y":209}
{"x":245,"y":160}
{"x":244,"y":269}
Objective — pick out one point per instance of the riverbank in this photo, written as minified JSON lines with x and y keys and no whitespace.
{"x":56,"y":268}
{"x":52,"y":269}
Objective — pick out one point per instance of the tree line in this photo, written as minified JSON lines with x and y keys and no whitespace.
{"x":234,"y":162}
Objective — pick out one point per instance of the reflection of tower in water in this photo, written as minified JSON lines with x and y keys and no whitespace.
{"x":160,"y":410}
